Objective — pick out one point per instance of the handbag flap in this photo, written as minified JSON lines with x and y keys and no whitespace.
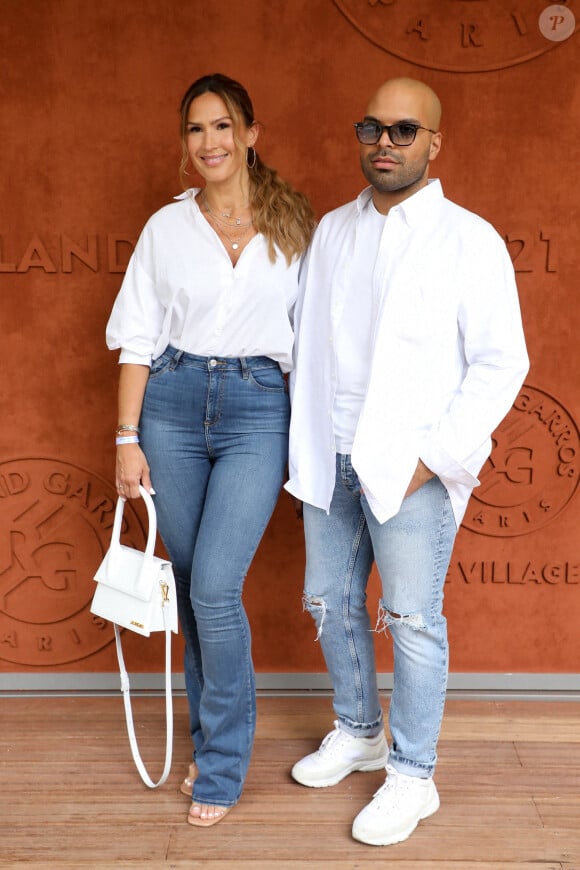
{"x":130,"y":571}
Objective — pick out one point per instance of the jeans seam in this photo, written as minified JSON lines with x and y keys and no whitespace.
{"x":346,"y":616}
{"x":347,"y":479}
{"x":444,"y":520}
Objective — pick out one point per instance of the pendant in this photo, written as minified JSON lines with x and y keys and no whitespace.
{"x":238,"y":221}
{"x":235,"y":246}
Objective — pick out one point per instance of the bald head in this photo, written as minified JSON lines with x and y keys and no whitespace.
{"x":406,"y":98}
{"x":398,"y":171}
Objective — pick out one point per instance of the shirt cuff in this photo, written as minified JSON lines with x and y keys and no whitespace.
{"x":446,"y":467}
{"x":128,"y":356}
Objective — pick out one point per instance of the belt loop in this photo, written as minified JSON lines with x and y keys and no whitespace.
{"x":176,"y":360}
{"x":245,"y":368}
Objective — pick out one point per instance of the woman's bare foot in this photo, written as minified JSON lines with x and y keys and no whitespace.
{"x":206,"y":815}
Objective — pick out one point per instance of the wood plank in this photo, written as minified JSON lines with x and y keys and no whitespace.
{"x":70,"y":795}
{"x":313,"y":864}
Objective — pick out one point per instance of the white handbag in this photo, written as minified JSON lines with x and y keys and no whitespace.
{"x":136,"y":590}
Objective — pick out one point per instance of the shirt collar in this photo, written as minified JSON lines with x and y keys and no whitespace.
{"x":190,"y":193}
{"x":416,"y":207}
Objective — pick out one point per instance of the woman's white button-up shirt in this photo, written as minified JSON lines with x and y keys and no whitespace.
{"x":181,"y":288}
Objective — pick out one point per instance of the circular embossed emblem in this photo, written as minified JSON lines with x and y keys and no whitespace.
{"x":532,"y":472}
{"x":458,"y":35}
{"x":55,"y":527}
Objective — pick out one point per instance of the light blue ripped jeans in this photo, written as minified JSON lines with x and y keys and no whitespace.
{"x":412,"y":551}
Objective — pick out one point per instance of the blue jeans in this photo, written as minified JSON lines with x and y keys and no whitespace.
{"x":215,"y":434}
{"x":412,"y":552}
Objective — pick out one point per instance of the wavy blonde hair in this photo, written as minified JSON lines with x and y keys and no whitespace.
{"x":281,"y":214}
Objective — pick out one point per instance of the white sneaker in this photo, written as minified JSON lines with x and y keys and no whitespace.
{"x":340,"y":754}
{"x":396,"y":809}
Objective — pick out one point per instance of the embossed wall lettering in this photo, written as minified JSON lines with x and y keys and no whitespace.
{"x":471,"y":35}
{"x":530,"y":250}
{"x":55,"y":519}
{"x":108,"y":253}
{"x":533,"y":251}
{"x":466,"y":36}
{"x":533,"y":470}
{"x":515,"y":573}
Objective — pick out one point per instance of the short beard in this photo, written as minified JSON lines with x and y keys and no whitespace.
{"x":386,"y":182}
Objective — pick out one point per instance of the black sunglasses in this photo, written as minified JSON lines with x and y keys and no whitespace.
{"x":403,"y":133}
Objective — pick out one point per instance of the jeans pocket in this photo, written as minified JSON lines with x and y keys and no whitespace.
{"x":161,"y":364}
{"x":269,"y":379}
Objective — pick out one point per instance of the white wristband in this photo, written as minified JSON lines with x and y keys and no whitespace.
{"x":127,"y":439}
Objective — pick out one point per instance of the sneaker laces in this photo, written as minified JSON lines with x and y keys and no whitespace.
{"x":394,"y":790}
{"x":333,"y":741}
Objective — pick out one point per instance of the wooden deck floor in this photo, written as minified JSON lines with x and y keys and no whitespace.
{"x":508,"y":777}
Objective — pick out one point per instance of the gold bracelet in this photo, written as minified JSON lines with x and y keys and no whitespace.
{"x":124,"y":427}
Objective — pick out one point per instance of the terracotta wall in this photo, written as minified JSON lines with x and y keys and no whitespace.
{"x":89,"y":149}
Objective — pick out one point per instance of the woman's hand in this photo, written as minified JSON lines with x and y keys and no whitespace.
{"x":131,"y":470}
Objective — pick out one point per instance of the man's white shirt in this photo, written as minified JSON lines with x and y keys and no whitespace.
{"x":447,"y":350}
{"x":354,"y":330}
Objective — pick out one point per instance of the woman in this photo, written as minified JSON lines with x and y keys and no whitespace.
{"x":203,"y":320}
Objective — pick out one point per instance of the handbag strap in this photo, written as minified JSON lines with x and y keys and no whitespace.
{"x":115,"y":545}
{"x":126,"y":690}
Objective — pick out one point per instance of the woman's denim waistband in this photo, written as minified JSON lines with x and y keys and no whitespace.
{"x":211,"y":363}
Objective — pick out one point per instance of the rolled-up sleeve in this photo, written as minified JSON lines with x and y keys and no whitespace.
{"x":137,"y":317}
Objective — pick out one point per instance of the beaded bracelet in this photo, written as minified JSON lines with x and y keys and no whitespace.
{"x":127,"y":439}
{"x":124,"y":427}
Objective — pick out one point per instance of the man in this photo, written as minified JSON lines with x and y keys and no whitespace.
{"x":409,"y":353}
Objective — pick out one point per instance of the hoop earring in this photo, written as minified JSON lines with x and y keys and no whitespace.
{"x":254,"y":157}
